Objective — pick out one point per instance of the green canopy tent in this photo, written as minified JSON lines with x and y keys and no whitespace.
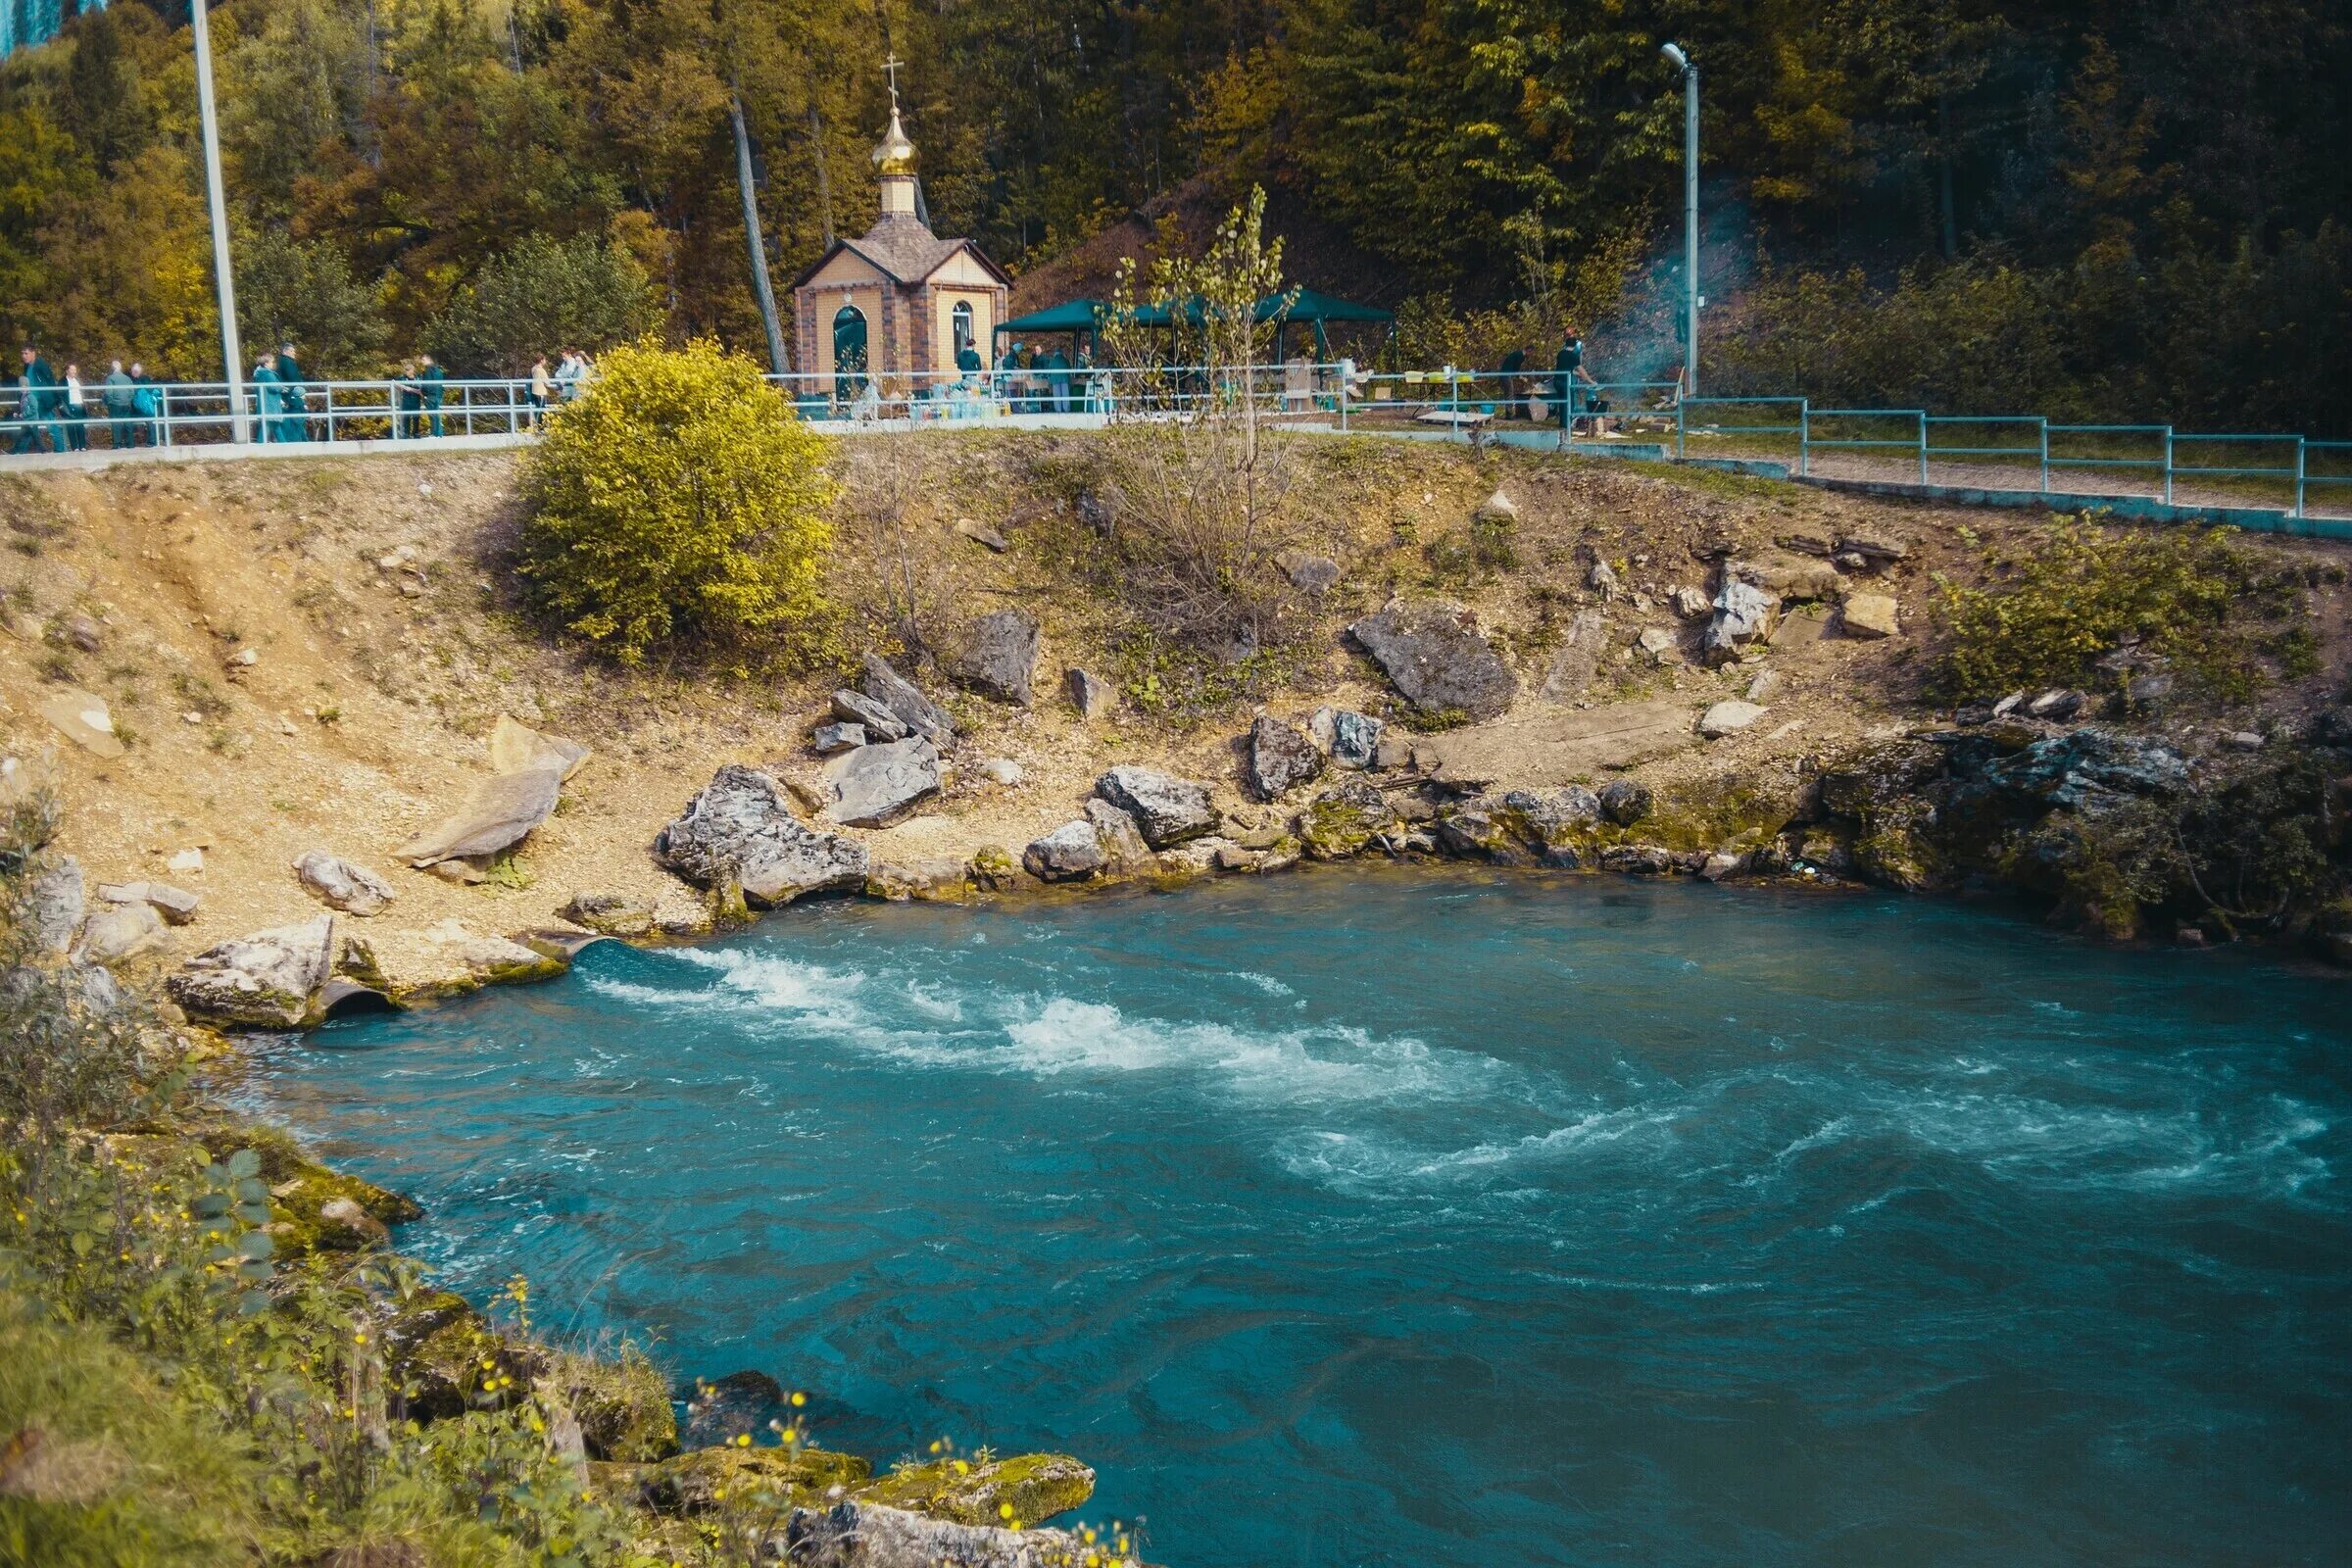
{"x":1070,"y":316}
{"x":1306,"y":304}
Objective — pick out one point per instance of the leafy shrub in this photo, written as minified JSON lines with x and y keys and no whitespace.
{"x":2051,"y":611}
{"x":680,"y":498}
{"x":544,"y":296}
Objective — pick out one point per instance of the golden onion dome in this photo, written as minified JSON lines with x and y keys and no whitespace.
{"x":896,"y":154}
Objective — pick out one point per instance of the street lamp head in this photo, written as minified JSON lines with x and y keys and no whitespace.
{"x":1675,"y":55}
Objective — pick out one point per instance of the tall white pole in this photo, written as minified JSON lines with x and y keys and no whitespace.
{"x":223,"y":281}
{"x":1690,"y":230}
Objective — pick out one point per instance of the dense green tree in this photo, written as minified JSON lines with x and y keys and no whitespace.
{"x":544,"y":297}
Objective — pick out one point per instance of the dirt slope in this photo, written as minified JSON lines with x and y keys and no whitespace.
{"x":370,"y":600}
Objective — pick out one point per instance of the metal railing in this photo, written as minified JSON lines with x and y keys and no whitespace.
{"x":2012,"y":452}
{"x":2163,"y":460}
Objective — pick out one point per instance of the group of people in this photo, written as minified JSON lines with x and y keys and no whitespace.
{"x":55,"y":414}
{"x":1030,"y":382}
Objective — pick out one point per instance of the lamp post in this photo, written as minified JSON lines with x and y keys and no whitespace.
{"x":223,"y":281}
{"x":1683,"y":63}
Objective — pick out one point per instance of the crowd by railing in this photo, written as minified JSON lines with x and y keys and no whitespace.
{"x":2022,"y":452}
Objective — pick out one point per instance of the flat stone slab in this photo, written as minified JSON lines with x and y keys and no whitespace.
{"x":1543,"y":747}
{"x":1436,"y":661}
{"x":84,"y":718}
{"x":873,"y":786}
{"x":501,"y":812}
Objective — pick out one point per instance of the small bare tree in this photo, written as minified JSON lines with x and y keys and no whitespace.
{"x":1198,"y":469}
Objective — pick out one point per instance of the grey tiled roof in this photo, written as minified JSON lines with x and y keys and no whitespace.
{"x":903,"y":249}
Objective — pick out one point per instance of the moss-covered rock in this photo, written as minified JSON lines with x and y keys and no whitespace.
{"x":995,"y":869}
{"x":702,"y":1479}
{"x":1026,"y":1490}
{"x":621,"y":1402}
{"x":445,"y":1358}
{"x":1341,"y":821}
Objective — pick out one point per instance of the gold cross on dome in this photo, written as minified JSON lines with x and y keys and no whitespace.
{"x":889,"y":68}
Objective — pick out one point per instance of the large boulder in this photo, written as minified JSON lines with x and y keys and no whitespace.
{"x":268,"y":980}
{"x":1170,"y":810}
{"x":1744,"y":615}
{"x":1125,"y":853}
{"x":1071,"y":853}
{"x":1281,"y":758}
{"x":874,"y":786}
{"x":1870,"y":616}
{"x":500,"y":813}
{"x":894,"y":691}
{"x":999,"y":656}
{"x":741,"y":826}
{"x":340,"y":885}
{"x":1436,"y":661}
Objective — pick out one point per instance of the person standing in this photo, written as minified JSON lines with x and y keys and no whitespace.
{"x":121,"y":401}
{"x":407,"y":398}
{"x":1057,"y":367}
{"x":433,"y":378}
{"x":77,"y":409}
{"x":1566,"y":367}
{"x":268,"y":411}
{"x":293,"y":399}
{"x":543,"y":389}
{"x":147,"y":401}
{"x":37,"y":412}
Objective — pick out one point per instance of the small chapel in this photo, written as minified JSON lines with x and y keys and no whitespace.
{"x":896,"y":298}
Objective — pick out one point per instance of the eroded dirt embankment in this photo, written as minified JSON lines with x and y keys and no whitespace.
{"x":299,"y":656}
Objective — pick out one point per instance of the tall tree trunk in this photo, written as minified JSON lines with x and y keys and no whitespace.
{"x":1947,"y":210}
{"x":824,"y":183}
{"x":777,"y":359}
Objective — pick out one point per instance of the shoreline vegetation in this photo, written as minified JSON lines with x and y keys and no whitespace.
{"x":311,"y":749}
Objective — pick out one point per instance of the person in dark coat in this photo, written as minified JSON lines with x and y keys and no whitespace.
{"x":1514,"y":406}
{"x":36,"y":405}
{"x":1566,"y":367}
{"x":121,"y":402}
{"x":1057,"y":367}
{"x":147,"y":399}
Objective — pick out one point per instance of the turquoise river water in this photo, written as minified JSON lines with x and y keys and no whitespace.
{"x":1370,"y":1218}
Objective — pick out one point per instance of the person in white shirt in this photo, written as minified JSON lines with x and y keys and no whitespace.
{"x":77,"y":409}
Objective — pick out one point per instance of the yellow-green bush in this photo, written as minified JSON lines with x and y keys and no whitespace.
{"x":2051,"y":608}
{"x":681,"y":499}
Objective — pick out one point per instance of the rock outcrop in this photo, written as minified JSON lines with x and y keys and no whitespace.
{"x":271,"y":979}
{"x":1744,"y":615}
{"x":1168,"y":809}
{"x":999,"y":656}
{"x":516,"y":748}
{"x":611,"y":914}
{"x":1279,"y":758}
{"x":1436,"y":661}
{"x":1341,"y":819}
{"x":1071,"y":853}
{"x":741,"y":828}
{"x":894,"y":691}
{"x":865,"y":1535}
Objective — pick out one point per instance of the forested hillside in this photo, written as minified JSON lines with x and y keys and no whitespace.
{"x":2105,"y":208}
